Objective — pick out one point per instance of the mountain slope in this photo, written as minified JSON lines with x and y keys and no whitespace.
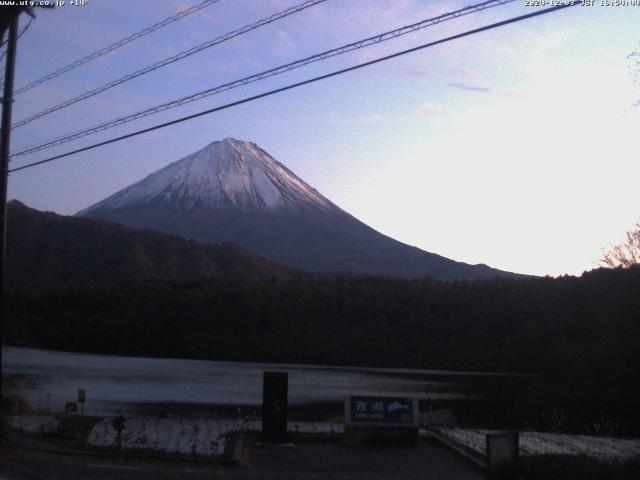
{"x":234,"y":191}
{"x":46,"y":250}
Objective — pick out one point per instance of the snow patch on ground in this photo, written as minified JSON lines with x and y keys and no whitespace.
{"x":34,"y":423}
{"x":203,"y":437}
{"x":539,"y":443}
{"x":194,"y":436}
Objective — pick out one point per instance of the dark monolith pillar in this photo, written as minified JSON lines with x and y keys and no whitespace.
{"x":274,"y":407}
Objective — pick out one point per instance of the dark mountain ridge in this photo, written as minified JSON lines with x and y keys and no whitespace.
{"x":46,"y":251}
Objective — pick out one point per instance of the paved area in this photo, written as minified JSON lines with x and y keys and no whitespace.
{"x":318,"y":461}
{"x":334,"y":461}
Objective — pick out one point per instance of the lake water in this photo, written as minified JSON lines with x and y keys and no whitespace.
{"x":131,"y":384}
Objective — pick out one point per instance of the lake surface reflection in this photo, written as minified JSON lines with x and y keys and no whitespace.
{"x":126,"y":384}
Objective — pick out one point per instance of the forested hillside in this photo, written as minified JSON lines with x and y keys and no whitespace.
{"x":46,"y":250}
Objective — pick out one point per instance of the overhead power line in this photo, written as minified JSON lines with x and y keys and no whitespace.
{"x":299,"y":84}
{"x":374,"y":40}
{"x":174,"y":58}
{"x":4,"y":53}
{"x":24,"y":29}
{"x":116,"y":45}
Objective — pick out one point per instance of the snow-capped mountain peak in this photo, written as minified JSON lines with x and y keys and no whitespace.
{"x":233,"y":191}
{"x":227,"y":174}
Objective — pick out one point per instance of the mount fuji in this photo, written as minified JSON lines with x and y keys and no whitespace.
{"x":233,"y":191}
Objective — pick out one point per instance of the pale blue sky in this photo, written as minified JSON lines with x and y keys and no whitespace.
{"x":515,"y":147}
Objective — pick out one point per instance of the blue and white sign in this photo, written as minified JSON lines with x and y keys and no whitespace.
{"x":388,"y":411}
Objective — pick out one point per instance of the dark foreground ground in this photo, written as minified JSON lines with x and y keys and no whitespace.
{"x":303,"y":461}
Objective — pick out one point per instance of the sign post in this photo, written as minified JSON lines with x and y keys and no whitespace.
{"x":381,"y":420}
{"x":274,"y":407}
{"x":82,"y":395}
{"x":118,"y":426}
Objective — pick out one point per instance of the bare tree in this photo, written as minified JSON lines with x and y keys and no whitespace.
{"x":624,"y":255}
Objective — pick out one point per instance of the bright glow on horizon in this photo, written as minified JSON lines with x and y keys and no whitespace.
{"x":516,"y":148}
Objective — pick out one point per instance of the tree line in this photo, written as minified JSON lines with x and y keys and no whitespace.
{"x":579,"y":333}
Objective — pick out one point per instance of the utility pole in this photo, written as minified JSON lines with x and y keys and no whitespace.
{"x":8,"y":23}
{"x":5,"y":140}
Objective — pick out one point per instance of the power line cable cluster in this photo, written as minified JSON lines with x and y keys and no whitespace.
{"x":374,"y":40}
{"x":116,"y":45}
{"x":299,"y":84}
{"x":172,"y":59}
